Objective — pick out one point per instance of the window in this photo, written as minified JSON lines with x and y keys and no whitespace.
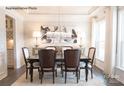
{"x":120,"y":48}
{"x":98,"y":38}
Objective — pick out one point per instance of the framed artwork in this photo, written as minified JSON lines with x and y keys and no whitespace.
{"x":58,"y":34}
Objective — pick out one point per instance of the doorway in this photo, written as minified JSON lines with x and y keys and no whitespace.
{"x":10,"y":42}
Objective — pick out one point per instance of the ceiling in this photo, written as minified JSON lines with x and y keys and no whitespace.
{"x":55,"y":10}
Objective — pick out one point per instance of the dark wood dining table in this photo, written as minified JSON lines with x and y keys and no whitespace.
{"x":59,"y":59}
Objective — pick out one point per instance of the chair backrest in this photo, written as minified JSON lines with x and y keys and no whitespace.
{"x":72,"y":58}
{"x":91,"y":54}
{"x":47,"y":58}
{"x":26,"y":54}
{"x":66,"y":47}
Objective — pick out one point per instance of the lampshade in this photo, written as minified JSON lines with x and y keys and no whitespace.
{"x":36,"y":34}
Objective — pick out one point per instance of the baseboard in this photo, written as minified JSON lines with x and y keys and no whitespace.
{"x":3,"y":75}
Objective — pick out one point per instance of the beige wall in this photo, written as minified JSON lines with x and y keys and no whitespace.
{"x":79,"y":22}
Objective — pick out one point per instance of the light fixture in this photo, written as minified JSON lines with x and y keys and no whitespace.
{"x":36,"y":35}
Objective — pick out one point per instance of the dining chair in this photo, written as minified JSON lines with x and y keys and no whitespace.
{"x":26,"y":56}
{"x":90,"y":60}
{"x":71,"y":62}
{"x":63,"y":48}
{"x":47,"y":62}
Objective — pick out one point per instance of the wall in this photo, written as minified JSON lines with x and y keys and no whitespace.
{"x":33,"y":22}
{"x":3,"y":53}
{"x":19,"y":40}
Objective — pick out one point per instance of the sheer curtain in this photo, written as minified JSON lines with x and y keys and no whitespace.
{"x":120,"y":48}
{"x":98,"y":38}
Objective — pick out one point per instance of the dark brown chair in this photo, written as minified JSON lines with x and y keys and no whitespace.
{"x":47,"y":62}
{"x":65,"y":48}
{"x":26,"y":55}
{"x":90,"y":59}
{"x":62,"y":53}
{"x":71,"y":62}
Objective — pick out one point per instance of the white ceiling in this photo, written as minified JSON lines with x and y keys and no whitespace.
{"x":55,"y":10}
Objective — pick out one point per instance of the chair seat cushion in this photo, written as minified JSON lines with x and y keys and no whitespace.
{"x":36,"y":64}
{"x":49,"y":69}
{"x":82,"y":64}
{"x":70,"y":69}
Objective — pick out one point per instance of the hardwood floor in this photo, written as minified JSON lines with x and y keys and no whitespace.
{"x":13,"y":75}
{"x":110,"y":82}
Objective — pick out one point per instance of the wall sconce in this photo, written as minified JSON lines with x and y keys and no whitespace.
{"x":36,"y":35}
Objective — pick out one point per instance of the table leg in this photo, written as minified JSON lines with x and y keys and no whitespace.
{"x":31,"y":72}
{"x":86,"y":71}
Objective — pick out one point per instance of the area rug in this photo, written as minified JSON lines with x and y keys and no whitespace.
{"x":59,"y":80}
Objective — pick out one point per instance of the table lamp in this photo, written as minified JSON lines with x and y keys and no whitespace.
{"x":36,"y":35}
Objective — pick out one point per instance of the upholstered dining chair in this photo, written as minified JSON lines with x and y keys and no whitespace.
{"x":26,"y":56}
{"x":63,"y":48}
{"x":90,"y":59}
{"x":71,"y":62}
{"x":47,"y":62}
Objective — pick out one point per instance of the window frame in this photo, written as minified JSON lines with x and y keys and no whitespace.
{"x":96,"y":36}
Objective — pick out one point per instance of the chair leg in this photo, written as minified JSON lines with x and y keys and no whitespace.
{"x":29,"y":72}
{"x":42,"y":76}
{"x":26,"y":73}
{"x":65,"y":76}
{"x":53,"y":77}
{"x":61,"y":67}
{"x":91,"y":73}
{"x":77,"y":75}
{"x":86,"y":73}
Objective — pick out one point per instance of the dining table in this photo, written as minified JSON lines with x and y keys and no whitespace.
{"x":58,"y":59}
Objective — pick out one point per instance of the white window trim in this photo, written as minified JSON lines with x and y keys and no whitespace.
{"x":96,"y":42}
